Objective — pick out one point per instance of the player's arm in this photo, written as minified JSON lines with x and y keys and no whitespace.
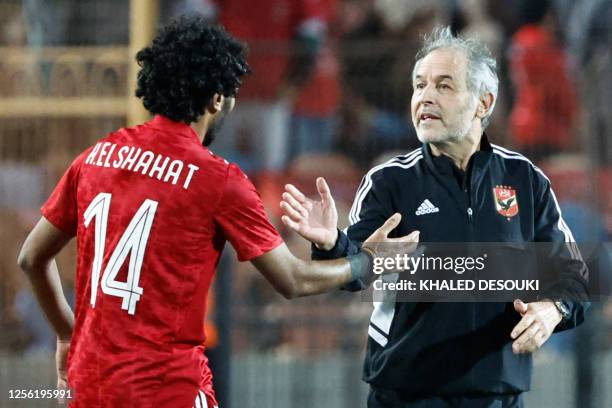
{"x":36,"y":258}
{"x":240,"y":216}
{"x":294,"y":277}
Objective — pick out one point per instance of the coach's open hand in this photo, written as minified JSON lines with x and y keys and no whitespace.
{"x":316,"y":221}
{"x":538,"y":322}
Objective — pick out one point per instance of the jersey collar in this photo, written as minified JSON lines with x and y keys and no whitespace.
{"x":166,"y":124}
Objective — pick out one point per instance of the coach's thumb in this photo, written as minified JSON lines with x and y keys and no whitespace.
{"x":520,"y":306}
{"x":390,"y":224}
{"x":324,"y":190}
{"x":412,"y":237}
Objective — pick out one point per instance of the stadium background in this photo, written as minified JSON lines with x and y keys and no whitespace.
{"x":67,"y":78}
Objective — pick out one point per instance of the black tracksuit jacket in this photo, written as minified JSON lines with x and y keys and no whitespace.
{"x":456,"y":349}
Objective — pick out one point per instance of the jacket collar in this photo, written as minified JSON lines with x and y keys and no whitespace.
{"x":479,"y":159}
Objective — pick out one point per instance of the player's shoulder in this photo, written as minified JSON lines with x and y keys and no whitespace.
{"x":221,"y":164}
{"x":219,"y":170}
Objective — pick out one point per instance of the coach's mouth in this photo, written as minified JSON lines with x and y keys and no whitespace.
{"x":428,"y":117}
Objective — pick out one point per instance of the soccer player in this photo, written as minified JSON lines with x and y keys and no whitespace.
{"x":151,"y":209}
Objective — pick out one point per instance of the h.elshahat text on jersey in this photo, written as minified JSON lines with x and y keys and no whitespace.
{"x":132,"y":158}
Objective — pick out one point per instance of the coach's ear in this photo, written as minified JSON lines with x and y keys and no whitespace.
{"x":484,"y":105}
{"x":216,"y":103}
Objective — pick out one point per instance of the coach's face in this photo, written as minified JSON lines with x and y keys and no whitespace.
{"x":442,"y":107}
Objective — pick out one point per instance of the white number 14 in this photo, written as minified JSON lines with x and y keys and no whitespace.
{"x":133,"y":242}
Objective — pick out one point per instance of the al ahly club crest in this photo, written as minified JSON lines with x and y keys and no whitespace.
{"x":505,"y":201}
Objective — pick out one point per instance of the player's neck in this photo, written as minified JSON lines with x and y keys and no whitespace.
{"x":201,"y":126}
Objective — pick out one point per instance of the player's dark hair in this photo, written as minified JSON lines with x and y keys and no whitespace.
{"x":188,"y":62}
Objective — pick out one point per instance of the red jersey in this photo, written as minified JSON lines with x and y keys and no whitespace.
{"x":151,"y":209}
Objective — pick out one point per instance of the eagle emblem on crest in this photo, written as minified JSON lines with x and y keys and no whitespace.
{"x":505,"y":201}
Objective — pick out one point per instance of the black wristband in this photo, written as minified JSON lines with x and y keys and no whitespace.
{"x":361,"y":264}
{"x":340,"y":249}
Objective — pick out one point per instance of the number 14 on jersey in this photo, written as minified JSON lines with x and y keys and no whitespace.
{"x":133,"y":242}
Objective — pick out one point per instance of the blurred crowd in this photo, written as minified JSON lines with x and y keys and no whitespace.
{"x":330,"y":96}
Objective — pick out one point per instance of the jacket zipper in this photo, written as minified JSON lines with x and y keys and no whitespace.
{"x":470,"y":216}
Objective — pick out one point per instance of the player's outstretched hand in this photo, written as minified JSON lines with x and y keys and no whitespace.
{"x":316,"y":221}
{"x":383,"y":246}
{"x":538,"y":321}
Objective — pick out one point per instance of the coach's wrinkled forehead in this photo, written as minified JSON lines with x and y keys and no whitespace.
{"x":443,"y":63}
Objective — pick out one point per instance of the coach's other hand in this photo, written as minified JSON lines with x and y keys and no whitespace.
{"x":379,"y":242}
{"x":378,"y":245}
{"x":316,"y":221}
{"x":539,"y":319}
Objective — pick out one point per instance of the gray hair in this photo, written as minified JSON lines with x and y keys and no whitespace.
{"x":481,"y":71}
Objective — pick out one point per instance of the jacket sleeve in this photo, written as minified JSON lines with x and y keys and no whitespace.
{"x":570,"y":271}
{"x":371,"y":208}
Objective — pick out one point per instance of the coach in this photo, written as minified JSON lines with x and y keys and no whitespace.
{"x":458,"y":187}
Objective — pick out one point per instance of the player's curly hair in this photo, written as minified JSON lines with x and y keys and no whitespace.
{"x":188,"y":62}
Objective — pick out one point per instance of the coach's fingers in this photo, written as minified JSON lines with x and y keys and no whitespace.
{"x":406,"y":244}
{"x":527,"y":340}
{"x":295,"y":193}
{"x":289,"y":199}
{"x":389,"y":225}
{"x":291,"y":224}
{"x":520,"y":306}
{"x":324,"y":191}
{"x":529,"y":346}
{"x":291,"y":212}
{"x":525,"y":322}
{"x":541,"y":338}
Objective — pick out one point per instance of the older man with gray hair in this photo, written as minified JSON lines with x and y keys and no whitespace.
{"x":458,"y":187}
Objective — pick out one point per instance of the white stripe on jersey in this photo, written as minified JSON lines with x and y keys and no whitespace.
{"x":398,"y":159}
{"x":405,"y":162}
{"x":376,"y":336}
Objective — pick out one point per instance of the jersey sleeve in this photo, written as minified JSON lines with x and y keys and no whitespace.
{"x":60,"y":209}
{"x":242,"y":218}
